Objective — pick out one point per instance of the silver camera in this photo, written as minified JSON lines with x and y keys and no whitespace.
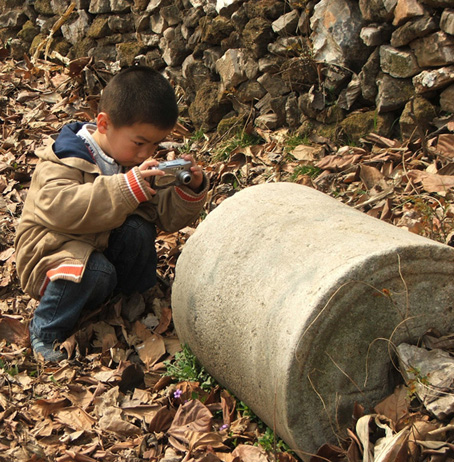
{"x":177,"y":172}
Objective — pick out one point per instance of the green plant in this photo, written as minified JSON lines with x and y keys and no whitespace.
{"x":186,"y":368}
{"x":295,"y":140}
{"x":309,"y":170}
{"x":270,"y":443}
{"x":11,"y":370}
{"x":194,"y":138}
{"x":416,"y":381}
{"x":240,"y":140}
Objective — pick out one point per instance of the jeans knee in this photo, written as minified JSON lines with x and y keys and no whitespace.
{"x":100,"y":273}
{"x":140,"y":229}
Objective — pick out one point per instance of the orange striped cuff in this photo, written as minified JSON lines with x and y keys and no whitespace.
{"x":188,"y":197}
{"x":68,"y":271}
{"x":134,"y":186}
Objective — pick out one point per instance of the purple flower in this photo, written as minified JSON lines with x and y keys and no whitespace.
{"x":177,"y":394}
{"x":223,"y":427}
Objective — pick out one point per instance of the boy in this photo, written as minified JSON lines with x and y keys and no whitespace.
{"x":88,"y":224}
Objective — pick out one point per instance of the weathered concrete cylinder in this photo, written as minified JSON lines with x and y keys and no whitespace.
{"x":293,"y":301}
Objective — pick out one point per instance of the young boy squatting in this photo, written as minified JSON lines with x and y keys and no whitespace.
{"x":88,"y":224}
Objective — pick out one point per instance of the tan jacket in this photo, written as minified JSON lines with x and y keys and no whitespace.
{"x":71,"y":209}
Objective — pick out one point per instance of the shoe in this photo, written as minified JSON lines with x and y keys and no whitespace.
{"x":46,"y":350}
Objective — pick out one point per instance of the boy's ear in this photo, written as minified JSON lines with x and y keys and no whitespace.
{"x":102,"y":122}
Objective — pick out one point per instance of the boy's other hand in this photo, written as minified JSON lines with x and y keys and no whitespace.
{"x":148,"y":169}
{"x":196,"y":173}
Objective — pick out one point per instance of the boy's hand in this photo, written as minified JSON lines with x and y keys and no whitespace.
{"x":196,"y":173}
{"x":148,"y":169}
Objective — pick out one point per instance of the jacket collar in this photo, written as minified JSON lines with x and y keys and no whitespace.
{"x":68,"y":144}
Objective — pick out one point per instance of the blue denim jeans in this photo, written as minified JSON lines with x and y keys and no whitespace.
{"x":128,"y":265}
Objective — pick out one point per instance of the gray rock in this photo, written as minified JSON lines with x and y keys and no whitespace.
{"x":336,"y":30}
{"x":206,"y":111}
{"x":413,"y":29}
{"x":407,"y":9}
{"x":121,"y":24}
{"x":368,"y":76}
{"x":447,"y":21}
{"x":268,"y":9}
{"x":171,"y":14}
{"x":158,"y":24}
{"x":274,"y":84}
{"x":437,"y":3}
{"x":60,"y":6}
{"x":374,"y":10}
{"x":175,"y":50}
{"x":257,"y":34}
{"x":239,"y":19}
{"x":108,"y":6}
{"x":236,"y":66}
{"x":390,"y":5}
{"x":267,"y":121}
{"x":417,"y":115}
{"x":12,"y":19}
{"x":270,"y":63}
{"x":398,"y":63}
{"x":195,"y":73}
{"x":150,"y":40}
{"x":154,"y":59}
{"x":393,"y":93}
{"x":434,"y":50}
{"x":210,"y":57}
{"x":292,"y":113}
{"x":431,"y":374}
{"x":375,"y":35}
{"x":447,"y":99}
{"x":192,"y":17}
{"x":430,"y":80}
{"x":250,"y":92}
{"x":299,"y":73}
{"x":286,"y":24}
{"x":74,"y":31}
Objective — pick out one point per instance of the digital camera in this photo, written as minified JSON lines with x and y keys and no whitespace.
{"x":177,"y":172}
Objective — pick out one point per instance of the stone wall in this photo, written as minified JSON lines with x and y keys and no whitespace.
{"x":347,"y":66}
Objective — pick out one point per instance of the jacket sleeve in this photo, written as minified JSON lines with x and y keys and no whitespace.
{"x":175,"y":207}
{"x":70,"y":201}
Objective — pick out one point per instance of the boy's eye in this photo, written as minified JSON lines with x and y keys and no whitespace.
{"x":138,"y":143}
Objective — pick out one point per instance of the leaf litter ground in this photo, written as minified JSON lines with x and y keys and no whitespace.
{"x":115,"y":400}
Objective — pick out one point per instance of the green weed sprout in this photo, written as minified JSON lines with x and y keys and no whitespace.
{"x":186,"y":368}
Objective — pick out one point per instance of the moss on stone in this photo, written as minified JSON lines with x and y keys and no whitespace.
{"x":127,"y":51}
{"x":28,"y":32}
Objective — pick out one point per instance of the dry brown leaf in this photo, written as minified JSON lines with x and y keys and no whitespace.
{"x":444,"y":144}
{"x":371,"y":177}
{"x":75,"y":418}
{"x":432,"y":182}
{"x":49,"y":406}
{"x":14,"y":330}
{"x":338,"y":163}
{"x":394,"y":406}
{"x":250,"y":453}
{"x":306,"y":153}
{"x":201,"y":440}
{"x":162,"y":420}
{"x":192,"y":416}
{"x":112,"y":421}
{"x":151,"y":350}
{"x":164,"y":321}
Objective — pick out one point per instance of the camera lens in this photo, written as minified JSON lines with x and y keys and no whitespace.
{"x":184,"y":177}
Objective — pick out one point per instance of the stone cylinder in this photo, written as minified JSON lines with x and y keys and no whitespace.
{"x":295,"y":303}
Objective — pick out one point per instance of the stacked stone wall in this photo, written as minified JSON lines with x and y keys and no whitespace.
{"x":346,"y":66}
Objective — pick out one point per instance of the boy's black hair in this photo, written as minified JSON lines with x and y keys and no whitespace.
{"x":139,"y":94}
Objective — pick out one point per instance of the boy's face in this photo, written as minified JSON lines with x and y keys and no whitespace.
{"x":129,"y":145}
